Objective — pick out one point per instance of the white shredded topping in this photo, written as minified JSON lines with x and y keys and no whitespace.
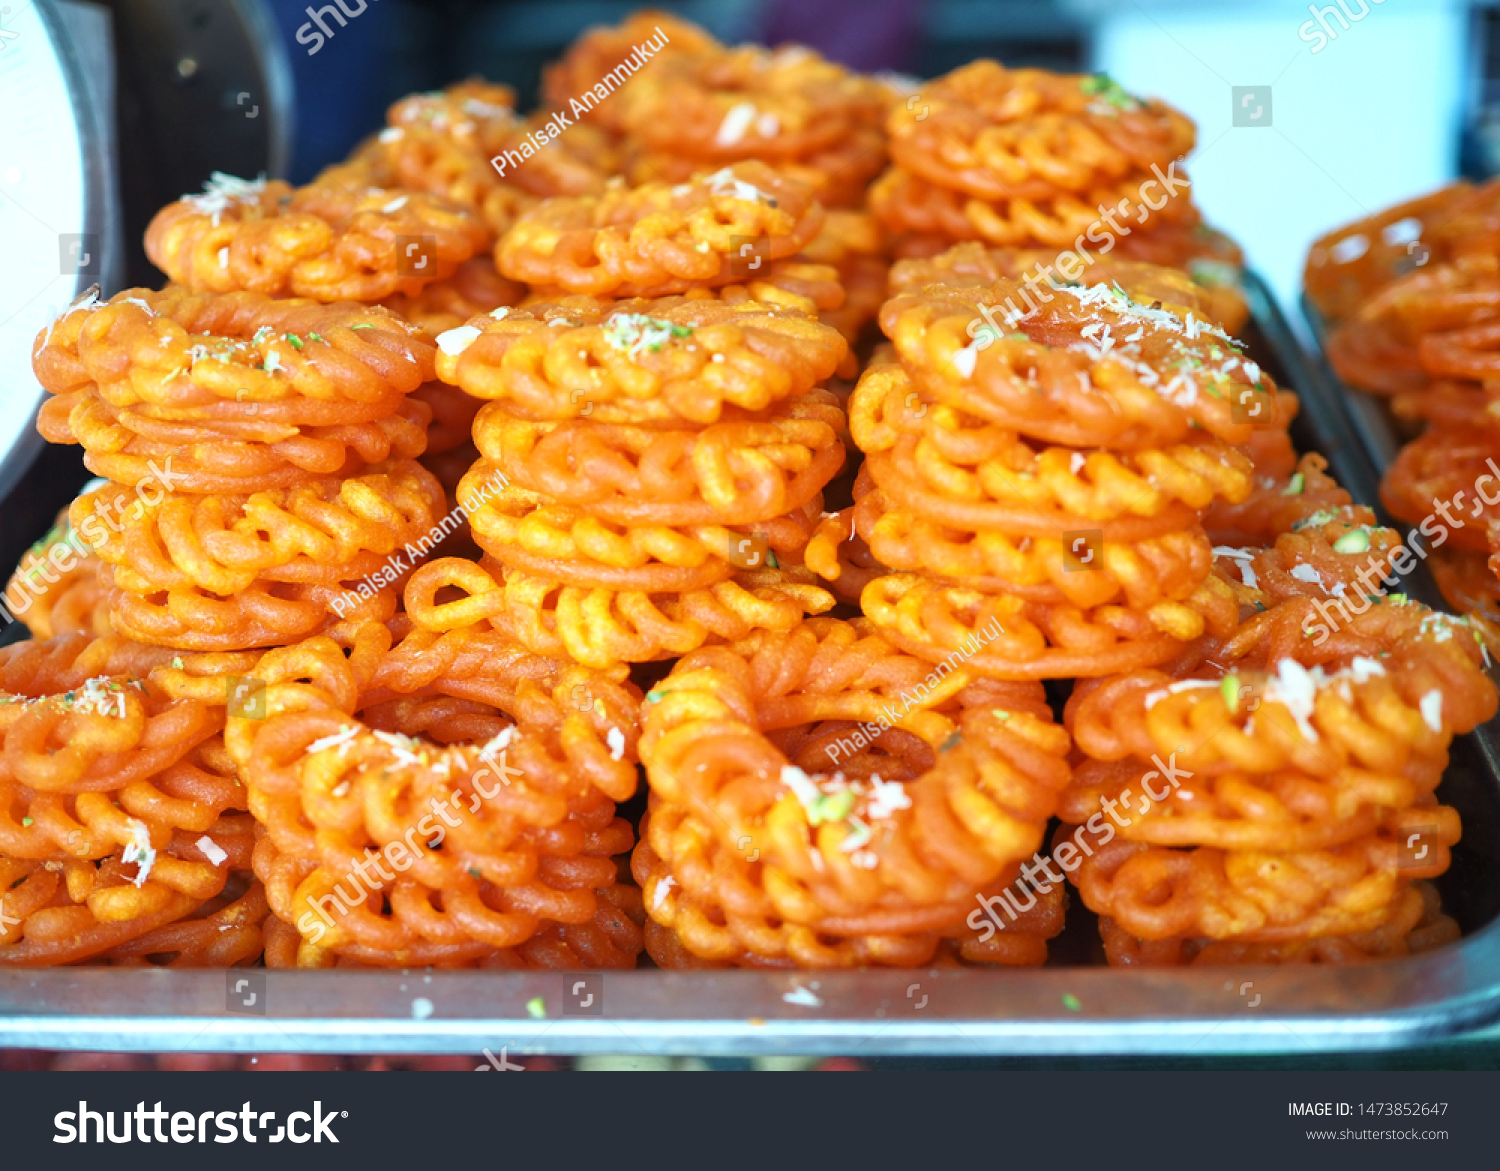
{"x":964,"y":359}
{"x":500,"y":312}
{"x":335,"y":740}
{"x":616,"y":741}
{"x":1181,"y":685}
{"x":803,"y":996}
{"x":139,"y":851}
{"x":1306,"y":573}
{"x":1076,"y":462}
{"x":391,"y":134}
{"x":1296,"y":689}
{"x":1350,"y":249}
{"x":498,"y":742}
{"x":1361,"y":669}
{"x":726,"y":182}
{"x":1431,"y":708}
{"x":395,"y":205}
{"x":211,"y":850}
{"x":736,"y":122}
{"x":886,"y":797}
{"x":221,"y":190}
{"x":663,"y":888}
{"x":801,"y":785}
{"x":401,"y":746}
{"x":224,"y":257}
{"x":456,"y":341}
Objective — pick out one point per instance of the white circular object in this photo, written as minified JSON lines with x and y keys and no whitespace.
{"x":51,"y":209}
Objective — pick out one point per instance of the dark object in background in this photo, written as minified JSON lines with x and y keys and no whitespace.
{"x":204,"y":86}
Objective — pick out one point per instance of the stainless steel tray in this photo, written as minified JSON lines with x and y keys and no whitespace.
{"x":1067,"y":1008}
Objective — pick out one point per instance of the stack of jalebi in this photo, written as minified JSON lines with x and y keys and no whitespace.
{"x":652,"y":468}
{"x":1026,"y":158}
{"x":469,"y":146}
{"x":1412,"y":296}
{"x":121,"y":832}
{"x":56,"y":589}
{"x":1272,"y":799}
{"x":261,"y":455}
{"x":744,"y":232}
{"x":464,"y":817}
{"x":1047,"y":477}
{"x":819,"y":799}
{"x":808,"y":117}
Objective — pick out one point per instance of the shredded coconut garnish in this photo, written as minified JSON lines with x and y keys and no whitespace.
{"x":634,"y":332}
{"x":211,"y":850}
{"x":886,"y":797}
{"x":725,"y":182}
{"x":391,"y":134}
{"x":616,"y":741}
{"x":401,"y":746}
{"x":221,"y":190}
{"x":736,"y":122}
{"x":1076,"y":462}
{"x":456,"y":341}
{"x":965,"y":359}
{"x":1306,"y":573}
{"x":1431,"y":708}
{"x":1181,"y":685}
{"x":499,"y":741}
{"x":500,"y":313}
{"x":803,"y":996}
{"x":395,"y":205}
{"x":335,"y":740}
{"x":663,"y":888}
{"x":1361,"y":669}
{"x":139,"y":851}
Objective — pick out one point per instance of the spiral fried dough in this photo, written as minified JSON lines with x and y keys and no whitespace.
{"x":908,"y":205}
{"x":64,"y":913}
{"x":531,"y":848}
{"x":600,"y":627}
{"x":1025,"y":133}
{"x":328,"y":531}
{"x":591,"y":62}
{"x":1437,"y":321}
{"x":902,"y":836}
{"x":1437,"y":475}
{"x":971,"y":264}
{"x":473,"y":289}
{"x":751,"y":102}
{"x":180,"y":356}
{"x":1023,"y":639}
{"x":743,"y":469}
{"x":658,"y":239}
{"x":919,"y":451}
{"x":1467,"y":582}
{"x":1417,"y":925}
{"x":573,"y":544}
{"x":335,"y":240}
{"x":232,"y":457}
{"x":1348,"y":266}
{"x":264,"y":614}
{"x":212,"y":936}
{"x":1253,"y":896}
{"x":643,"y":361}
{"x":53,"y":599}
{"x":1089,"y":367}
